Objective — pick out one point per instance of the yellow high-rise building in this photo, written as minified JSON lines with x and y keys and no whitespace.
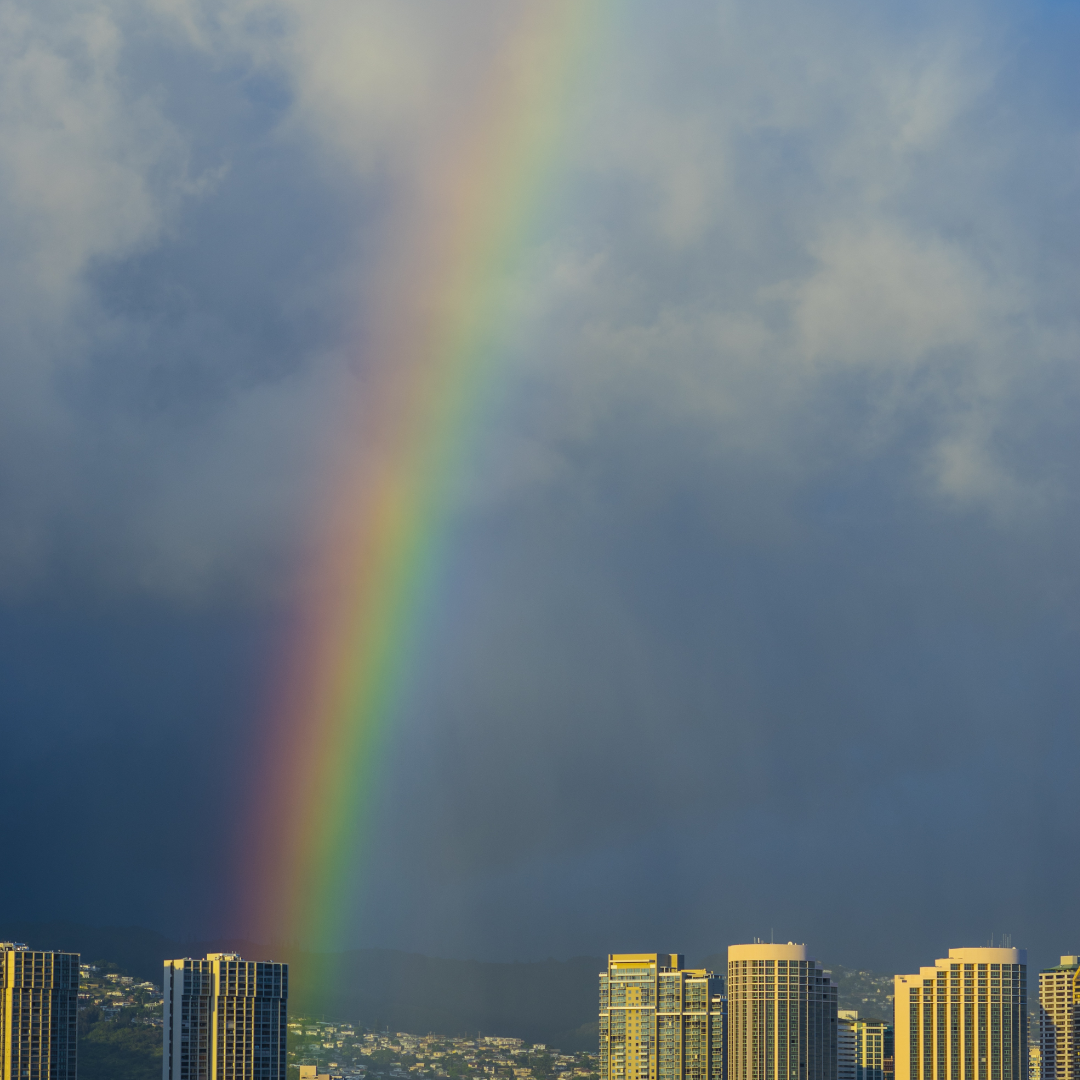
{"x":660,"y":1020}
{"x":873,"y":1048}
{"x":781,"y":1015}
{"x":965,"y":1018}
{"x":224,"y":1019}
{"x":1059,"y":1021}
{"x":39,"y":1010}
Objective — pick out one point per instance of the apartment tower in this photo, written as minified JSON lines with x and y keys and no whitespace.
{"x":660,"y":1020}
{"x":873,"y":1048}
{"x":781,"y":1015}
{"x":224,"y":1019}
{"x":846,"y":1019}
{"x":1059,"y":1019}
{"x":965,"y":1018}
{"x":39,"y":1009}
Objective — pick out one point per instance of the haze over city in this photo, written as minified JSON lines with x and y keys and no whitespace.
{"x":753,"y":609}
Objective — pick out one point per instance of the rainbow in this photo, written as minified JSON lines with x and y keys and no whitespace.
{"x":440,"y":331}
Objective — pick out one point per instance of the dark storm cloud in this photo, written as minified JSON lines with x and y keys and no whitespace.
{"x":762,"y":590}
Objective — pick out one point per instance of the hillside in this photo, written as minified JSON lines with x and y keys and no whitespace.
{"x":868,"y":992}
{"x":548,"y":1001}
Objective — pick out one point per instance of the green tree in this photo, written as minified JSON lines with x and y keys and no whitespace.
{"x":117,"y":1049}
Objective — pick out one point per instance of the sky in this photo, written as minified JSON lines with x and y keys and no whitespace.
{"x":759,"y":608}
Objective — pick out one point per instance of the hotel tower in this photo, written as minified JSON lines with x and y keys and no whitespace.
{"x":39,"y":1009}
{"x":1059,"y":1021}
{"x":781,"y":1015}
{"x":660,"y":1020}
{"x":965,"y":1018}
{"x":224,"y":1019}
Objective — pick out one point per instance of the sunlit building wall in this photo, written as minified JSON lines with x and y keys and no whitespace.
{"x":225,"y":1019}
{"x":1058,"y":1021}
{"x":873,"y":1048}
{"x":660,"y":1020}
{"x":782,"y":1022}
{"x":965,"y":1018}
{"x":39,"y":1011}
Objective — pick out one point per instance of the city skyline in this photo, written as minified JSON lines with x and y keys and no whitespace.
{"x":774,"y":1014}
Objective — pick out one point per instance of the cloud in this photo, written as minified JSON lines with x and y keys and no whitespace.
{"x":134,"y":423}
{"x":814,"y":244}
{"x":789,"y":234}
{"x":77,"y":158}
{"x":776,"y":498}
{"x":880,"y":298}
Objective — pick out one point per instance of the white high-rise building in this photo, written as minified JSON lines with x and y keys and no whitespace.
{"x":224,"y":1019}
{"x":846,"y":1044}
{"x":965,"y":1018}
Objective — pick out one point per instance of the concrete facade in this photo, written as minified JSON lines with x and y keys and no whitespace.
{"x":965,"y":1018}
{"x":782,"y":1017}
{"x":224,"y":1019}
{"x":1059,"y":1021}
{"x":39,"y":1011}
{"x":660,"y":1020}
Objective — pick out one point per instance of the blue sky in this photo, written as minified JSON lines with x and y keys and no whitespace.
{"x":763,"y":585}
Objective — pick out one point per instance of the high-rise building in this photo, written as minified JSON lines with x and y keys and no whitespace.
{"x":1059,"y":1020}
{"x":965,"y":1018}
{"x":781,"y":1015}
{"x":846,"y":1040}
{"x":225,"y":1019}
{"x":660,"y":1020}
{"x":1034,"y":1061}
{"x":39,"y":1011}
{"x":873,"y":1048}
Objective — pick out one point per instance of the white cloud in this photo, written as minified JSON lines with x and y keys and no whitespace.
{"x":78,"y":152}
{"x":882,"y":296}
{"x":78,"y":162}
{"x":803,"y":232}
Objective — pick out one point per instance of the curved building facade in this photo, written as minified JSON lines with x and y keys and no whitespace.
{"x":781,"y":1015}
